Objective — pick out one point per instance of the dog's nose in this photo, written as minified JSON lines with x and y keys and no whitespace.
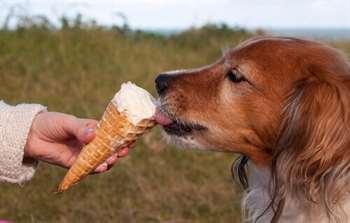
{"x":162,"y":83}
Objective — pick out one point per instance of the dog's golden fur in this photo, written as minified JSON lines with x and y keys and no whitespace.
{"x":288,"y":115}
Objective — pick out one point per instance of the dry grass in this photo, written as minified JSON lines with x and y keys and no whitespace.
{"x":77,"y":71}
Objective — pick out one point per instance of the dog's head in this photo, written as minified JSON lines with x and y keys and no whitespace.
{"x":282,"y":102}
{"x":237,"y":103}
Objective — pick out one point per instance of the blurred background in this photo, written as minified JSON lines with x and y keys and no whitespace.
{"x":72,"y":56}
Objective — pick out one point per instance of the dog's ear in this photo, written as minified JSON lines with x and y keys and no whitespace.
{"x":313,"y":147}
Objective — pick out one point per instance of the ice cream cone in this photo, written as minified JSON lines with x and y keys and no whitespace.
{"x":113,"y":132}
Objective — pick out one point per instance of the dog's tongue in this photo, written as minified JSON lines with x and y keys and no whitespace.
{"x":161,"y":119}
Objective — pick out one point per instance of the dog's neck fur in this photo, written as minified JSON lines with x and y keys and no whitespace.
{"x":257,"y":198}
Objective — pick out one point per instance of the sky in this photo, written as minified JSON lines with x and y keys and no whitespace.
{"x":180,"y":14}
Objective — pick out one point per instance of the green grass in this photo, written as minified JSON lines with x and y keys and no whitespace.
{"x":77,"y":70}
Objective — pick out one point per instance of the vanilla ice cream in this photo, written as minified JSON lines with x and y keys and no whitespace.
{"x":135,"y":102}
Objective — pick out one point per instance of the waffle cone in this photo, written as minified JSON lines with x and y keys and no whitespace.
{"x":113,"y":132}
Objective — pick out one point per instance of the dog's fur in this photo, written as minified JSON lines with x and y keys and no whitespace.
{"x":288,"y":118}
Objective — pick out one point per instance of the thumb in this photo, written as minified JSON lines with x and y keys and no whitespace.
{"x":86,"y":130}
{"x":82,"y":129}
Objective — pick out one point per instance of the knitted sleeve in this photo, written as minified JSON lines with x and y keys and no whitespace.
{"x":15,"y":123}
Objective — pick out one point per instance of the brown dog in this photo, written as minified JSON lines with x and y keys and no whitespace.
{"x":283,"y":104}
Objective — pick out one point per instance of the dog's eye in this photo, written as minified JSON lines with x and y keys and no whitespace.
{"x":235,"y":76}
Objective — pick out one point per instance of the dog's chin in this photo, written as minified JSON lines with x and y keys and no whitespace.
{"x":179,"y":132}
{"x":183,"y":142}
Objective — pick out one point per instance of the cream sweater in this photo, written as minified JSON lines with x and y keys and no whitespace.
{"x":15,"y":123}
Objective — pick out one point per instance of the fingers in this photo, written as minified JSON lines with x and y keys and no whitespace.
{"x":101,"y":168}
{"x":112,"y":160}
{"x":123,"y":152}
{"x":109,"y":163}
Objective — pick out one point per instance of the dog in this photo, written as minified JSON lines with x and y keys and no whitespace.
{"x":283,"y":105}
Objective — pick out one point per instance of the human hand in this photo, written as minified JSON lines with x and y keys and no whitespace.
{"x":58,"y":138}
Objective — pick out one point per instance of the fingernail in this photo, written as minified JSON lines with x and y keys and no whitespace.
{"x":88,"y":131}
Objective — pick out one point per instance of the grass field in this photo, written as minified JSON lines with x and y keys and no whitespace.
{"x":77,"y":69}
